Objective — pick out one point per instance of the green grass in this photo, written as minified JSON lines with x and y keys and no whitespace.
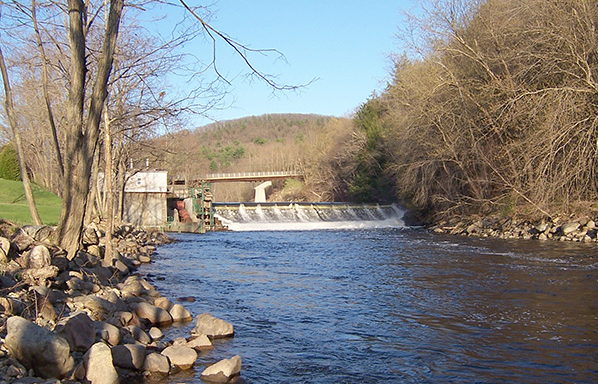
{"x":13,"y":205}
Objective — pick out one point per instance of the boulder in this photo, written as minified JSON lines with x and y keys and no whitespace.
{"x":136,"y":286}
{"x":37,"y":348}
{"x":222,"y":371}
{"x":164,"y":303}
{"x":90,"y":236}
{"x":156,"y":333}
{"x":21,"y":240}
{"x":180,"y":313}
{"x":95,"y":251}
{"x":201,"y":343}
{"x":10,"y":306}
{"x":139,"y":334}
{"x":206,"y":324}
{"x":180,"y":356}
{"x":4,"y":249}
{"x":153,"y":314}
{"x":567,"y":228}
{"x":108,"y":332}
{"x":156,"y":363}
{"x":101,"y":309}
{"x":129,"y":356}
{"x":39,"y":276}
{"x":78,"y":330}
{"x":38,"y":232}
{"x":39,"y":257}
{"x":99,"y":367}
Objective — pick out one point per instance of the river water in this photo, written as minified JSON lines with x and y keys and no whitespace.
{"x":388,"y":305}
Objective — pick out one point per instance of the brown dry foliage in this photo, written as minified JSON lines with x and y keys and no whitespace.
{"x":502,"y":109}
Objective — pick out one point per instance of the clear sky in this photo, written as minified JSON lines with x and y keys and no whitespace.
{"x":342,"y":44}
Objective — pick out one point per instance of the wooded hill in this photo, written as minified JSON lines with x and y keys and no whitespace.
{"x":272,"y":142}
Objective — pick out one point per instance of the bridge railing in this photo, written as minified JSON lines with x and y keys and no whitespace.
{"x":251,"y":174}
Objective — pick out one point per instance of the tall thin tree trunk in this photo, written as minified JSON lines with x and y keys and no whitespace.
{"x":46,"y":92}
{"x":8,"y":104}
{"x":108,"y":189}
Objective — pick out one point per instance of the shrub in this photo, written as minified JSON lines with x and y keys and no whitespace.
{"x":9,"y":163}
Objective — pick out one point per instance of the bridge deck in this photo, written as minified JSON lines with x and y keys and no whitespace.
{"x":252,"y":176}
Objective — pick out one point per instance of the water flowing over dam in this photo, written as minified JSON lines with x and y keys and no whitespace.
{"x":307,"y":216}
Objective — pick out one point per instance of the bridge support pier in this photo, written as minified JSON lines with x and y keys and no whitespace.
{"x":260,"y":192}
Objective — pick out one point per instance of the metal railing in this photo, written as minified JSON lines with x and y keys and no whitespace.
{"x":244,"y":175}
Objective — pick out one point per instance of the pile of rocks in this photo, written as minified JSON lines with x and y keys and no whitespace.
{"x":84,"y":319}
{"x":579,"y":230}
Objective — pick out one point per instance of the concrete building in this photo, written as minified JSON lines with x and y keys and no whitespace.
{"x":145,"y":199}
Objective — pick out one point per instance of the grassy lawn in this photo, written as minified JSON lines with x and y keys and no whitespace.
{"x":13,"y":205}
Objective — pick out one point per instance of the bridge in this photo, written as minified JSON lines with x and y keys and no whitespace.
{"x":252,"y":176}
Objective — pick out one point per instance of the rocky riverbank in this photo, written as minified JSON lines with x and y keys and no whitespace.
{"x":575,"y":229}
{"x":82,"y":319}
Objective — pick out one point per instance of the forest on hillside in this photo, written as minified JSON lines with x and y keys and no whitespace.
{"x":271,"y":142}
{"x":491,"y":108}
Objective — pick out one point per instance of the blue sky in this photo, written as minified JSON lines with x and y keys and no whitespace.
{"x":344,"y":45}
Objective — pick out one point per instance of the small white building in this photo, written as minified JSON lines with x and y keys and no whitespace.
{"x":145,"y":198}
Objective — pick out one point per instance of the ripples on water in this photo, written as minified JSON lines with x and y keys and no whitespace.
{"x":389,"y":306}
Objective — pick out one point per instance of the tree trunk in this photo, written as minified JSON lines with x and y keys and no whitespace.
{"x":8,"y":104}
{"x":82,"y":138}
{"x":46,"y":92}
{"x":108,"y":189}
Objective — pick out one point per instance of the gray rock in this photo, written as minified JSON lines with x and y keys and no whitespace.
{"x":108,"y":332}
{"x":180,"y":313}
{"x":136,"y":286}
{"x":4,"y":249}
{"x":129,"y":356}
{"x":39,"y":257}
{"x":10,"y":306}
{"x":78,"y":330}
{"x":76,"y":284}
{"x":222,"y":371}
{"x":37,"y":348}
{"x":206,"y":324}
{"x":201,"y":343}
{"x":164,"y":303}
{"x":38,"y":232}
{"x":156,"y":333}
{"x":139,"y":334}
{"x":90,"y":236}
{"x":99,"y":367}
{"x":21,"y":240}
{"x":153,"y":314}
{"x":156,"y":363}
{"x":542,"y":227}
{"x":180,"y":356}
{"x":100,"y":308}
{"x":567,"y":228}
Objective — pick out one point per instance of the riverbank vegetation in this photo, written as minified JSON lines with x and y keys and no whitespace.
{"x":493,"y":109}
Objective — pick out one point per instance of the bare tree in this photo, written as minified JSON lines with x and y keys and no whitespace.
{"x":83,"y":133}
{"x":8,"y":104}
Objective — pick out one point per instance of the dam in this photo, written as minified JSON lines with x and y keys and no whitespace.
{"x":307,"y":216}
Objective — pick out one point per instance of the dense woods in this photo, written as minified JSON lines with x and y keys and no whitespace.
{"x":493,"y":109}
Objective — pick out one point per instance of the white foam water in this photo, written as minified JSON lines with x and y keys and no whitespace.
{"x":308,"y":216}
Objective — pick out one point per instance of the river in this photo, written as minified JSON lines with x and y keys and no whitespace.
{"x":388,"y":305}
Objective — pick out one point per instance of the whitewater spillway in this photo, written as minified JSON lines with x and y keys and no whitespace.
{"x":307,"y":216}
